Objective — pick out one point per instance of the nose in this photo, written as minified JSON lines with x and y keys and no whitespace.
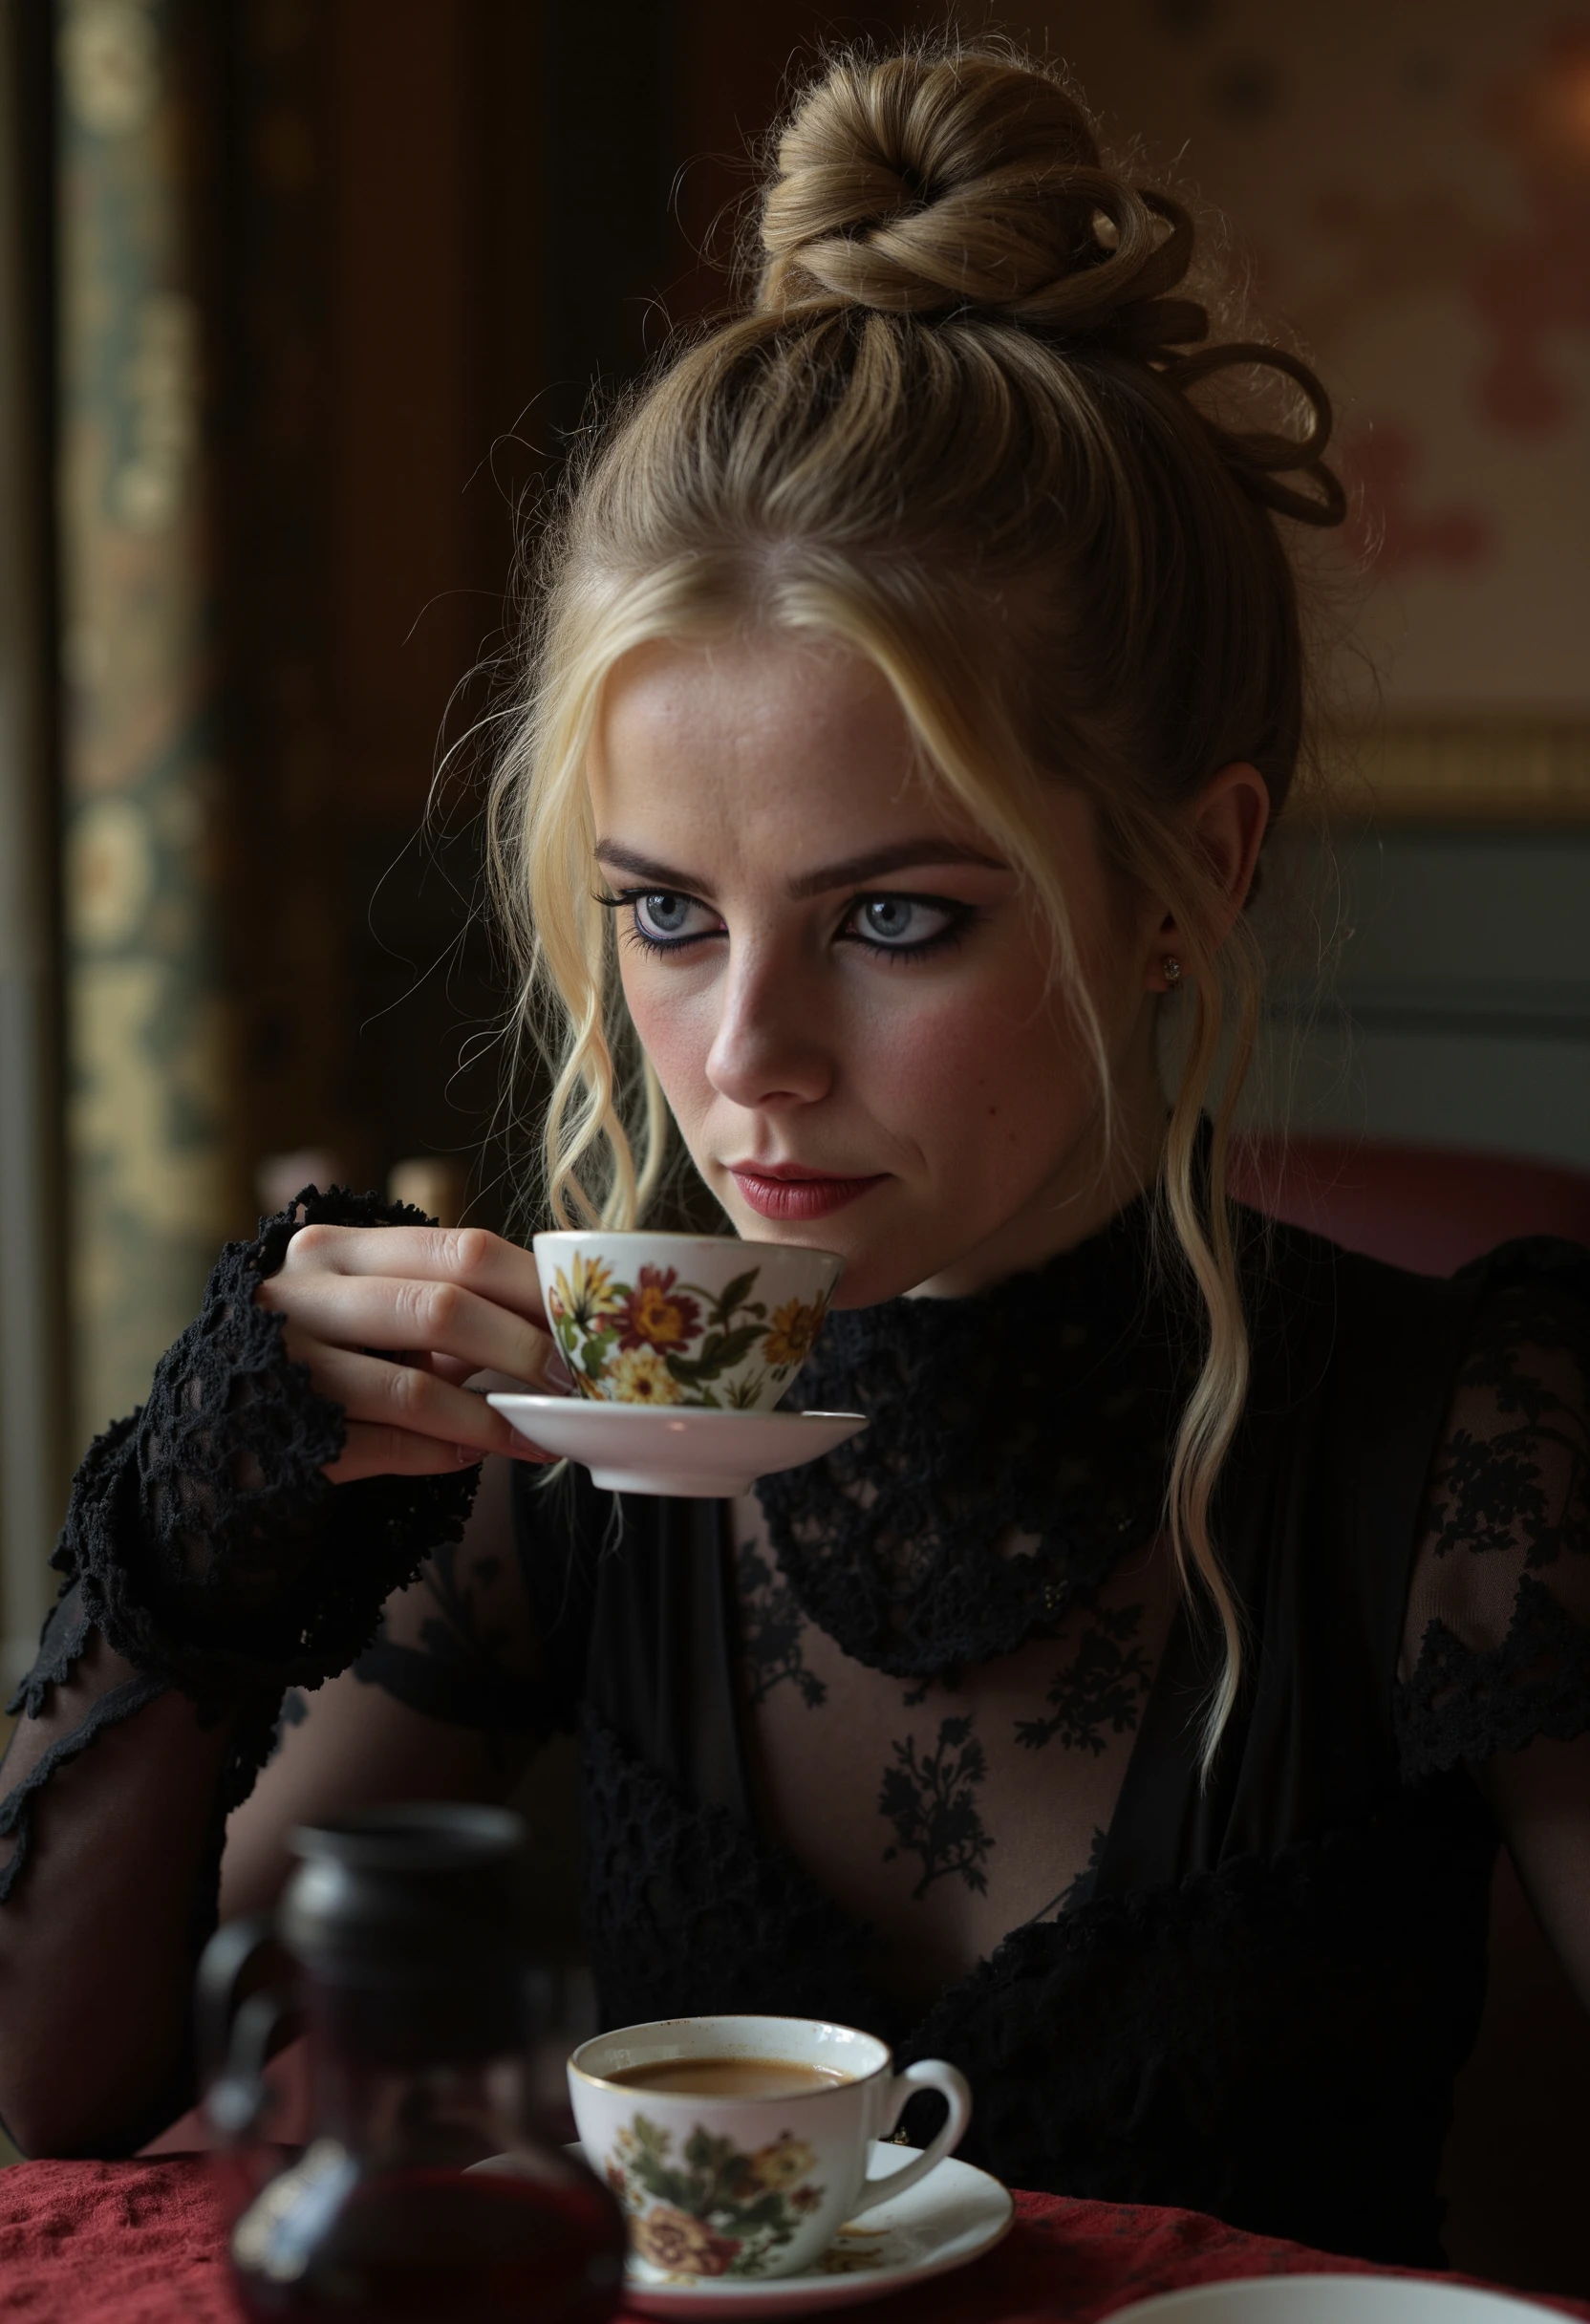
{"x":768,"y":1048}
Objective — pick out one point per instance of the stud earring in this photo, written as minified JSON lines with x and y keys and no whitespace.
{"x":1169,"y":968}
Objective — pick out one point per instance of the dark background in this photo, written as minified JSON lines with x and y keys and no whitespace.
{"x":498,"y":212}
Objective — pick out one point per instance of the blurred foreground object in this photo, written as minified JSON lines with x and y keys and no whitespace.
{"x":280,"y":1177}
{"x":425,"y":2189}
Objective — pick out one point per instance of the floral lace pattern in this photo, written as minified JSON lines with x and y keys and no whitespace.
{"x":683,"y":1900}
{"x":1104,"y":1684}
{"x":1018,"y":1454}
{"x":771,"y":1630}
{"x":198,"y":1541}
{"x":199,"y":1530}
{"x":1497,"y":1643}
{"x":459,"y":1647}
{"x":928,"y":1796}
{"x":1019,"y":1444}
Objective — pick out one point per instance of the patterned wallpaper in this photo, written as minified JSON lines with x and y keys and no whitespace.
{"x":1409,"y":185}
{"x":146,"y":1049}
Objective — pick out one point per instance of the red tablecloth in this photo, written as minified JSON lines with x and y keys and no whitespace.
{"x":141,"y":2243}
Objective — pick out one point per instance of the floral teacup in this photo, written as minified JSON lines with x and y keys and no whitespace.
{"x":683,"y":1319}
{"x":717,"y":2182}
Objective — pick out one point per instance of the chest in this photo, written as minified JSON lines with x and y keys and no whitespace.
{"x":945,"y":1812}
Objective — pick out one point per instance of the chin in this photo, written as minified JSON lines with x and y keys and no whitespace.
{"x":879,"y":1268}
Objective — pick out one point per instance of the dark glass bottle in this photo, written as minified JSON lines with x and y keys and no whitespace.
{"x":425,"y":2190}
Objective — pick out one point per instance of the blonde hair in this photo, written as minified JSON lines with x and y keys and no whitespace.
{"x":952,"y":426}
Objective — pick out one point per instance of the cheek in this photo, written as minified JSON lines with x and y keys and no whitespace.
{"x":675,"y":1030}
{"x":978,"y":1077}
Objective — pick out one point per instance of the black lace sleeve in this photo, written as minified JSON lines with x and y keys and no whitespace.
{"x":1496,"y":1647}
{"x":494,"y":1633}
{"x":204,"y":1543}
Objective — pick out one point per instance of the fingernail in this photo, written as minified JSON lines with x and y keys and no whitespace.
{"x":468,"y":1458}
{"x":557,"y":1374}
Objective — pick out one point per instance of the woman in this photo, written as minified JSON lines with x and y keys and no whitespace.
{"x":1130,"y":1714}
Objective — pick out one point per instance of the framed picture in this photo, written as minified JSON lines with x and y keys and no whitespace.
{"x":1412,"y":187}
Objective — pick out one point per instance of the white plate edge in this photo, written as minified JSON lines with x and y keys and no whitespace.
{"x":1256,"y":2287}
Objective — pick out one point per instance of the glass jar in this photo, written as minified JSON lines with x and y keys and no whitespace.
{"x":426,"y":2190}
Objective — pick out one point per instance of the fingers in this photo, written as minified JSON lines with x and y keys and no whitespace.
{"x":408,"y":1313}
{"x":376,"y":1452}
{"x":555,"y":1381}
{"x":402,"y":1401}
{"x":464,"y":1302}
{"x":480,"y":1263}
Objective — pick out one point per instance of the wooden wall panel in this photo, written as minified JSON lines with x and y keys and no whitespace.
{"x":735,"y":69}
{"x":400,"y":419}
{"x":482,"y":225}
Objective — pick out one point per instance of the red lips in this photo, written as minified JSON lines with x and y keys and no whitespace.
{"x":787,"y":1190}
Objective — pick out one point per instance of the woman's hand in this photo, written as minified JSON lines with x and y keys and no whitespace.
{"x":391,"y":1321}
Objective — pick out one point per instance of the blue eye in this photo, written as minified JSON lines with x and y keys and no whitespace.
{"x":663,"y":920}
{"x":905,"y":923}
{"x":662,"y":914}
{"x":890,"y":918}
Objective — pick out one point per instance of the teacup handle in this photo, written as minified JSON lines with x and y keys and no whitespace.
{"x":928,"y":2073}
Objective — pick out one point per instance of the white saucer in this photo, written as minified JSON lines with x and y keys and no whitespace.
{"x":1332,"y":2299}
{"x":954,"y":2214}
{"x":681,"y":1449}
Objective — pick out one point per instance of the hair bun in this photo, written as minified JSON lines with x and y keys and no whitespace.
{"x":922,"y":184}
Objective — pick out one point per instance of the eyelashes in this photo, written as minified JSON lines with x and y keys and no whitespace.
{"x":882,"y":924}
{"x":885,"y":923}
{"x":635,"y":901}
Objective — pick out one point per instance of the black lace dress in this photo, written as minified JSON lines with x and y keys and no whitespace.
{"x":1248,"y":1995}
{"x":912,"y":1738}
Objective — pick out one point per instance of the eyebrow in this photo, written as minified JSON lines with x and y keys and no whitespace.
{"x":904,"y":855}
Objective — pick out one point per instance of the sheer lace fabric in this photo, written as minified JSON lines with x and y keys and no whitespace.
{"x":1252,"y":1998}
{"x":946,"y":1812}
{"x":1496,"y":1647}
{"x":207,"y":1554}
{"x":1019,"y":1445}
{"x":70,"y":1696}
{"x":948,"y":1629}
{"x":461,"y":1644}
{"x":942,"y":1790}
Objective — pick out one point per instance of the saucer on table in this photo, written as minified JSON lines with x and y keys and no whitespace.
{"x":688,"y":1452}
{"x":953,"y":2215}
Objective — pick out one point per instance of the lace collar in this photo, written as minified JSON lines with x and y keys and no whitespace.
{"x":1019,"y":1444}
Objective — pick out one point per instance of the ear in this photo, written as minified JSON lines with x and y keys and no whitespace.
{"x":1226,"y":823}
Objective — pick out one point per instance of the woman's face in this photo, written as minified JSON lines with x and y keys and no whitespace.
{"x":842,"y":985}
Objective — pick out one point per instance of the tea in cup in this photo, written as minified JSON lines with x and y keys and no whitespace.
{"x":739,"y":2145}
{"x":699,"y":1320}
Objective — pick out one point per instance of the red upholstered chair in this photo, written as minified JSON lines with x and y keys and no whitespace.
{"x":1424,"y":1207}
{"x":1517,"y":2161}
